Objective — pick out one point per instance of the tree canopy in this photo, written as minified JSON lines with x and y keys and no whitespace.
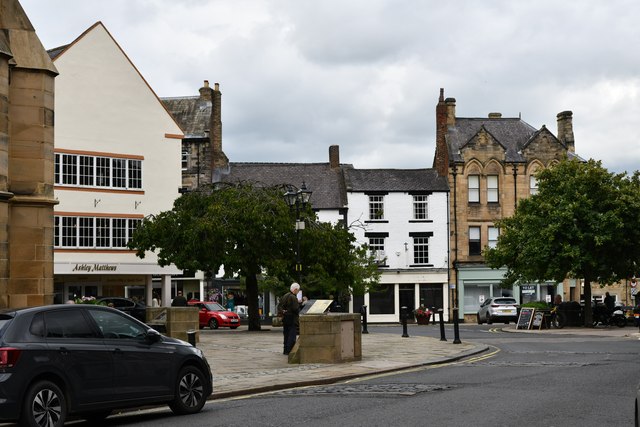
{"x":249,"y":230}
{"x":583,"y":223}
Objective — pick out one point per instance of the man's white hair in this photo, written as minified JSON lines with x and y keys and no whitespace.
{"x":294,"y":286}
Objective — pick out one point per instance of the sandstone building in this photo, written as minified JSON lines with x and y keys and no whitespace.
{"x":26,"y":162}
{"x":490,"y":164}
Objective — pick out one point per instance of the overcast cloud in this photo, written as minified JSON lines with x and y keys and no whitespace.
{"x":298,"y":76}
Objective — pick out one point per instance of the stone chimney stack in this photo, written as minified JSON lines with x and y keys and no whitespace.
{"x":219,"y":160}
{"x":565,"y":130}
{"x":451,"y":111}
{"x":205,"y":91}
{"x":334,"y":156}
{"x":495,"y":115}
{"x":444,"y":109}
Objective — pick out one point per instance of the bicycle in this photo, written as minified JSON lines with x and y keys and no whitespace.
{"x":557,"y":319}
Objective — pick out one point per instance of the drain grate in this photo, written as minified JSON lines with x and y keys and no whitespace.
{"x":367,"y":389}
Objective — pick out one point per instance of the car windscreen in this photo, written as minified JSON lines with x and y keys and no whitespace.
{"x":214,"y":306}
{"x":508,"y":301}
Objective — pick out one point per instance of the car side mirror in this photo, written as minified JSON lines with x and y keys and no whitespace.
{"x":153,"y":336}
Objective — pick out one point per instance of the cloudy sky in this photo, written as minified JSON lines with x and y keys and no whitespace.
{"x":298,"y":76}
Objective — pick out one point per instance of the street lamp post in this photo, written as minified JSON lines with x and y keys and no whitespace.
{"x":298,"y":199}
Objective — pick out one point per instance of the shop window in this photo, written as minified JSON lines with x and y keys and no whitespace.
{"x":382,"y":301}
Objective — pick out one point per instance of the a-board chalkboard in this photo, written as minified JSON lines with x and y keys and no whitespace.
{"x":526,"y":315}
{"x":538,"y":317}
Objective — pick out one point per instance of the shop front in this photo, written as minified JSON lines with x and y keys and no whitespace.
{"x":112,"y":279}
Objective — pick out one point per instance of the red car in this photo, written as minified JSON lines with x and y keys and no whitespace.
{"x":214,"y":315}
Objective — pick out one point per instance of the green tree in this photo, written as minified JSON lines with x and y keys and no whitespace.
{"x":582,"y":223}
{"x":333,"y":264}
{"x":250,"y":230}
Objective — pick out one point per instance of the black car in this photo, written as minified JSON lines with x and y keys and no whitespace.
{"x":132,"y":308}
{"x":88,"y":360}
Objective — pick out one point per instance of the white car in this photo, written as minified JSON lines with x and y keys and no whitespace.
{"x":498,"y":309}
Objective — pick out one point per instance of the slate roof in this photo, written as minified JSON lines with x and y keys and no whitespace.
{"x":394,"y":180}
{"x":511,"y":133}
{"x":56,"y":51}
{"x":326,"y":184}
{"x":192,"y":113}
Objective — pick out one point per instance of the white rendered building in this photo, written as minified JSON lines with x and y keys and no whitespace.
{"x":117,"y":160}
{"x":402,"y":214}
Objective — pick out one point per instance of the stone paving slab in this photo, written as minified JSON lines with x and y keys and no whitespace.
{"x":246,"y":362}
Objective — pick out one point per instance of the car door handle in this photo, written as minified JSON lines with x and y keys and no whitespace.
{"x":64,"y":351}
{"x":117,"y":350}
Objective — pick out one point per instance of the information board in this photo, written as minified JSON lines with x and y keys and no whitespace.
{"x":537,"y":321}
{"x":526,"y":315}
{"x":316,"y":306}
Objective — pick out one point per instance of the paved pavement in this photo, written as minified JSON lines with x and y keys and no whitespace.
{"x":246,"y":362}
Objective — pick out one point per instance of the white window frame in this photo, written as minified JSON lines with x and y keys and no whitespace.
{"x":533,"y":185}
{"x":473,"y":186}
{"x":83,"y":170}
{"x":376,"y":207}
{"x":87,"y":232}
{"x":492,"y":189}
{"x":475,"y":236}
{"x":420,"y":207}
{"x":421,"y":250}
{"x":492,"y":236}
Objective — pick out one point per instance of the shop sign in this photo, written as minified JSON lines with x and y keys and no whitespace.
{"x":92,"y":268}
{"x":528,"y":289}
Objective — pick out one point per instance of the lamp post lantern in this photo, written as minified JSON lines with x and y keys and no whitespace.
{"x":298,"y":200}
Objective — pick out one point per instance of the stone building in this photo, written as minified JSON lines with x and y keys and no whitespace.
{"x":201,"y":120}
{"x":490,"y":164}
{"x":26,"y":162}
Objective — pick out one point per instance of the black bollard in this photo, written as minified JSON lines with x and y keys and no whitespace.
{"x":191,"y":337}
{"x":363,"y":311}
{"x":403,"y":318}
{"x":441,"y":313}
{"x":456,"y":329}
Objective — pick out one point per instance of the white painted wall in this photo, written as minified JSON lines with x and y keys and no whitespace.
{"x":102,"y":104}
{"x":398,"y":211}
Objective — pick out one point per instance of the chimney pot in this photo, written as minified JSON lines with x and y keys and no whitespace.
{"x":206,"y":83}
{"x":216,"y":86}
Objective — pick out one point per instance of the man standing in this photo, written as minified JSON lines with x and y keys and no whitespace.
{"x":179,"y":300}
{"x":609,"y":302}
{"x":290,"y":308}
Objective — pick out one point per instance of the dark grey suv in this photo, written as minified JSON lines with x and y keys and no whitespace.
{"x":87,"y":360}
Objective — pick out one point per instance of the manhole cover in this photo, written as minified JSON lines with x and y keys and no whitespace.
{"x":368,"y":389}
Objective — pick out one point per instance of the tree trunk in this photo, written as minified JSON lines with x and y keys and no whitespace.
{"x":252,"y":299}
{"x":588,"y":312}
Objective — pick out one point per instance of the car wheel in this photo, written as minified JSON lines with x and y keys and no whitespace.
{"x":213,"y":324}
{"x":233,"y":327}
{"x":44,"y":406}
{"x":478,"y":319}
{"x":190,"y":396}
{"x":489,"y":321}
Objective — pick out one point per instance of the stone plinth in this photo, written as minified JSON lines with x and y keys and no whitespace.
{"x":328,"y":338}
{"x":174,"y":321}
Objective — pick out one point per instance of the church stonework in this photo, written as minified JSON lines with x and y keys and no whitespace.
{"x":26,"y":162}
